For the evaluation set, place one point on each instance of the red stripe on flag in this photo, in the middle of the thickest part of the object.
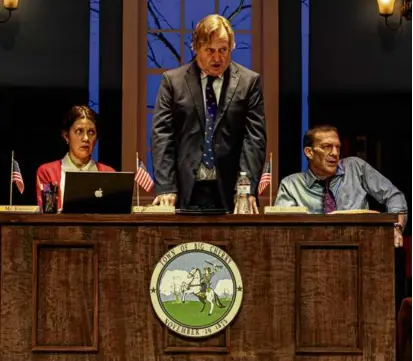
(143, 179)
(17, 178)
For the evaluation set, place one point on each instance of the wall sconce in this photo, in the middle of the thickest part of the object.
(386, 8)
(9, 5)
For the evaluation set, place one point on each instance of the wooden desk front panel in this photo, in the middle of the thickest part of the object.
(311, 292)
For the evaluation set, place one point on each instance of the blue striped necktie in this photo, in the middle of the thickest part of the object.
(211, 104)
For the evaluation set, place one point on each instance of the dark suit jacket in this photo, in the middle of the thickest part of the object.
(179, 124)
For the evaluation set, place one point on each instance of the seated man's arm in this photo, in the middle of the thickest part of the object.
(384, 192)
(284, 197)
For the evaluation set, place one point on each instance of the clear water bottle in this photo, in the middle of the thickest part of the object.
(243, 194)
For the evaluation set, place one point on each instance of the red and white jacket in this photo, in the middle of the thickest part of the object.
(51, 173)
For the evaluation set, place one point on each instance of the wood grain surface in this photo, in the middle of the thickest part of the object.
(315, 288)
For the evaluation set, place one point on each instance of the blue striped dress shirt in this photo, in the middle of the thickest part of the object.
(353, 181)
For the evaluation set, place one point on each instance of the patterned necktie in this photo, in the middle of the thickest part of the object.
(329, 203)
(211, 104)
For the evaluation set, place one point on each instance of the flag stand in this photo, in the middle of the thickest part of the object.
(271, 179)
(11, 178)
(137, 185)
(277, 209)
(138, 180)
(270, 209)
(18, 209)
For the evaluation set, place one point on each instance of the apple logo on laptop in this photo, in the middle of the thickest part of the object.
(99, 193)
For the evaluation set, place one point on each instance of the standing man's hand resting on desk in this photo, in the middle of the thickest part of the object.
(168, 199)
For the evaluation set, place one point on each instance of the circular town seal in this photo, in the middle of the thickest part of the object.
(196, 289)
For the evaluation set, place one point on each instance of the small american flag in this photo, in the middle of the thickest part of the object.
(142, 176)
(17, 176)
(265, 178)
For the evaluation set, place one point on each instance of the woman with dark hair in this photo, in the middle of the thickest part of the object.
(79, 130)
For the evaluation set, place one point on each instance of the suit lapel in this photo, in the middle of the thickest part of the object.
(193, 79)
(227, 93)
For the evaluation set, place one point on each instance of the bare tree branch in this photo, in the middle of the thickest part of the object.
(161, 37)
(158, 15)
(240, 7)
(93, 104)
(152, 56)
(93, 4)
(158, 18)
(225, 10)
(239, 21)
(243, 46)
(152, 12)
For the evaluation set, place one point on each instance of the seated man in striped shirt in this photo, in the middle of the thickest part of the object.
(331, 183)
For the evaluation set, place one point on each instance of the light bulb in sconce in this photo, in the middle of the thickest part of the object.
(386, 7)
(11, 4)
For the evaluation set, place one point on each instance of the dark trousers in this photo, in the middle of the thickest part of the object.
(205, 195)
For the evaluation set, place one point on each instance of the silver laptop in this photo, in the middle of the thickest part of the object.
(98, 192)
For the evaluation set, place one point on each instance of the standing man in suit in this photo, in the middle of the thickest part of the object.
(208, 125)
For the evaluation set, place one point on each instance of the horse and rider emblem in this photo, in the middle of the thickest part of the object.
(196, 289)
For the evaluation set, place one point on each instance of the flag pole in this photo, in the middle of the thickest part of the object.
(11, 177)
(271, 179)
(137, 185)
